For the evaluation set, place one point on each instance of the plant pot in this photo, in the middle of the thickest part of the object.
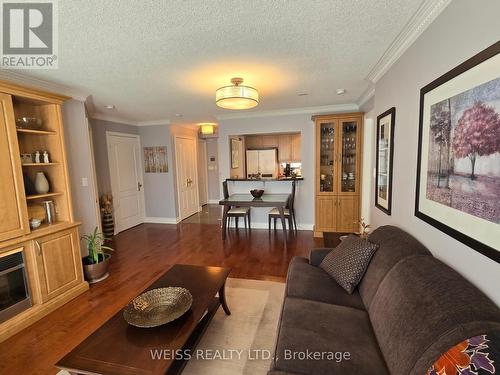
(95, 272)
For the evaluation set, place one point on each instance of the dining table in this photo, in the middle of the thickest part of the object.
(280, 201)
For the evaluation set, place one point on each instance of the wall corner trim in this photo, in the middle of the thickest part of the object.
(423, 17)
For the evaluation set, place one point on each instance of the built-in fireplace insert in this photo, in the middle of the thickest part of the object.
(14, 290)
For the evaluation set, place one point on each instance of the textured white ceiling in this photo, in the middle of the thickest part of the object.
(153, 59)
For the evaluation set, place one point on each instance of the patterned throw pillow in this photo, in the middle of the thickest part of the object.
(347, 263)
(479, 355)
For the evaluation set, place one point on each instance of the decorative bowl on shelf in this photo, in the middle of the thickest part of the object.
(31, 123)
(158, 306)
(257, 193)
(35, 223)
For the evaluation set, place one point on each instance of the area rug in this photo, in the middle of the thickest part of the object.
(243, 342)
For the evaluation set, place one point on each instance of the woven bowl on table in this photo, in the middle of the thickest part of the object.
(158, 306)
(257, 193)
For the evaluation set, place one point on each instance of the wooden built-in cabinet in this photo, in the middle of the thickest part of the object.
(288, 145)
(51, 252)
(13, 210)
(338, 172)
(58, 263)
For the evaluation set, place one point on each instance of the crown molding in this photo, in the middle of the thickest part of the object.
(121, 120)
(37, 83)
(112, 118)
(366, 96)
(154, 122)
(423, 17)
(335, 108)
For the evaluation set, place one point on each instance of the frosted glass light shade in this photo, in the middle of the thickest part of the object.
(237, 96)
(207, 128)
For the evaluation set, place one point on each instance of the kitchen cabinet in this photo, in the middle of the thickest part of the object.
(269, 140)
(253, 141)
(296, 148)
(338, 172)
(288, 145)
(58, 263)
(285, 148)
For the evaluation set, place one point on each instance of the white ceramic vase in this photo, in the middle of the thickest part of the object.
(41, 183)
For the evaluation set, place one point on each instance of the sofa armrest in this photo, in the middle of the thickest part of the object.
(316, 256)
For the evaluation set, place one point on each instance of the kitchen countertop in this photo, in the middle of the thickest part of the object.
(266, 179)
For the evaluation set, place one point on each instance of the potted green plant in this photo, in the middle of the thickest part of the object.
(95, 265)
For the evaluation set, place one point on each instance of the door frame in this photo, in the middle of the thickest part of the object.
(94, 177)
(203, 149)
(177, 174)
(137, 137)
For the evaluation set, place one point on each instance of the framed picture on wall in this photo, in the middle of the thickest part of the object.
(235, 153)
(155, 159)
(385, 153)
(458, 170)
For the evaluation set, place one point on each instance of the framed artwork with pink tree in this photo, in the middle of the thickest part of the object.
(458, 169)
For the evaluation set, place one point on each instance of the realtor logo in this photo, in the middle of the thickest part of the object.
(29, 39)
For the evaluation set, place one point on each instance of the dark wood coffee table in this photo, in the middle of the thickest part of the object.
(121, 349)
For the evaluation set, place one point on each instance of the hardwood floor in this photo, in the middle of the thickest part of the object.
(142, 254)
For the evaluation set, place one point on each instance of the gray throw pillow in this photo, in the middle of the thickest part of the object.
(347, 263)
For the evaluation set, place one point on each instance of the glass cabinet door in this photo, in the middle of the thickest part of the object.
(348, 175)
(326, 156)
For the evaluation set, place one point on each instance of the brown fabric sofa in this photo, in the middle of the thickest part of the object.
(409, 309)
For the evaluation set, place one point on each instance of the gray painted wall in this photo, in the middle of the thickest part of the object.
(99, 129)
(159, 191)
(77, 139)
(451, 39)
(213, 170)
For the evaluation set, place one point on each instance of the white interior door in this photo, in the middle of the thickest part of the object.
(187, 180)
(202, 172)
(125, 169)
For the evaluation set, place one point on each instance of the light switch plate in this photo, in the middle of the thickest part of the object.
(85, 181)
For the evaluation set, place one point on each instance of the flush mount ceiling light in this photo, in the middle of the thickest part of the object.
(109, 106)
(237, 96)
(207, 128)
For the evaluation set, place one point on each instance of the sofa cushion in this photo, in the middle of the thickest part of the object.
(309, 327)
(422, 308)
(394, 244)
(347, 263)
(311, 282)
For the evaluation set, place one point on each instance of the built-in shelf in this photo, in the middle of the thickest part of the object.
(38, 132)
(50, 227)
(39, 164)
(38, 196)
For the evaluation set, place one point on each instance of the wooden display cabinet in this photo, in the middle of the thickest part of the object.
(52, 251)
(338, 172)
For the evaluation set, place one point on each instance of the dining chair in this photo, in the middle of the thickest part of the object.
(236, 212)
(289, 212)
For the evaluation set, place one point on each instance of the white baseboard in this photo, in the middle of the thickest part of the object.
(265, 225)
(213, 201)
(161, 220)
